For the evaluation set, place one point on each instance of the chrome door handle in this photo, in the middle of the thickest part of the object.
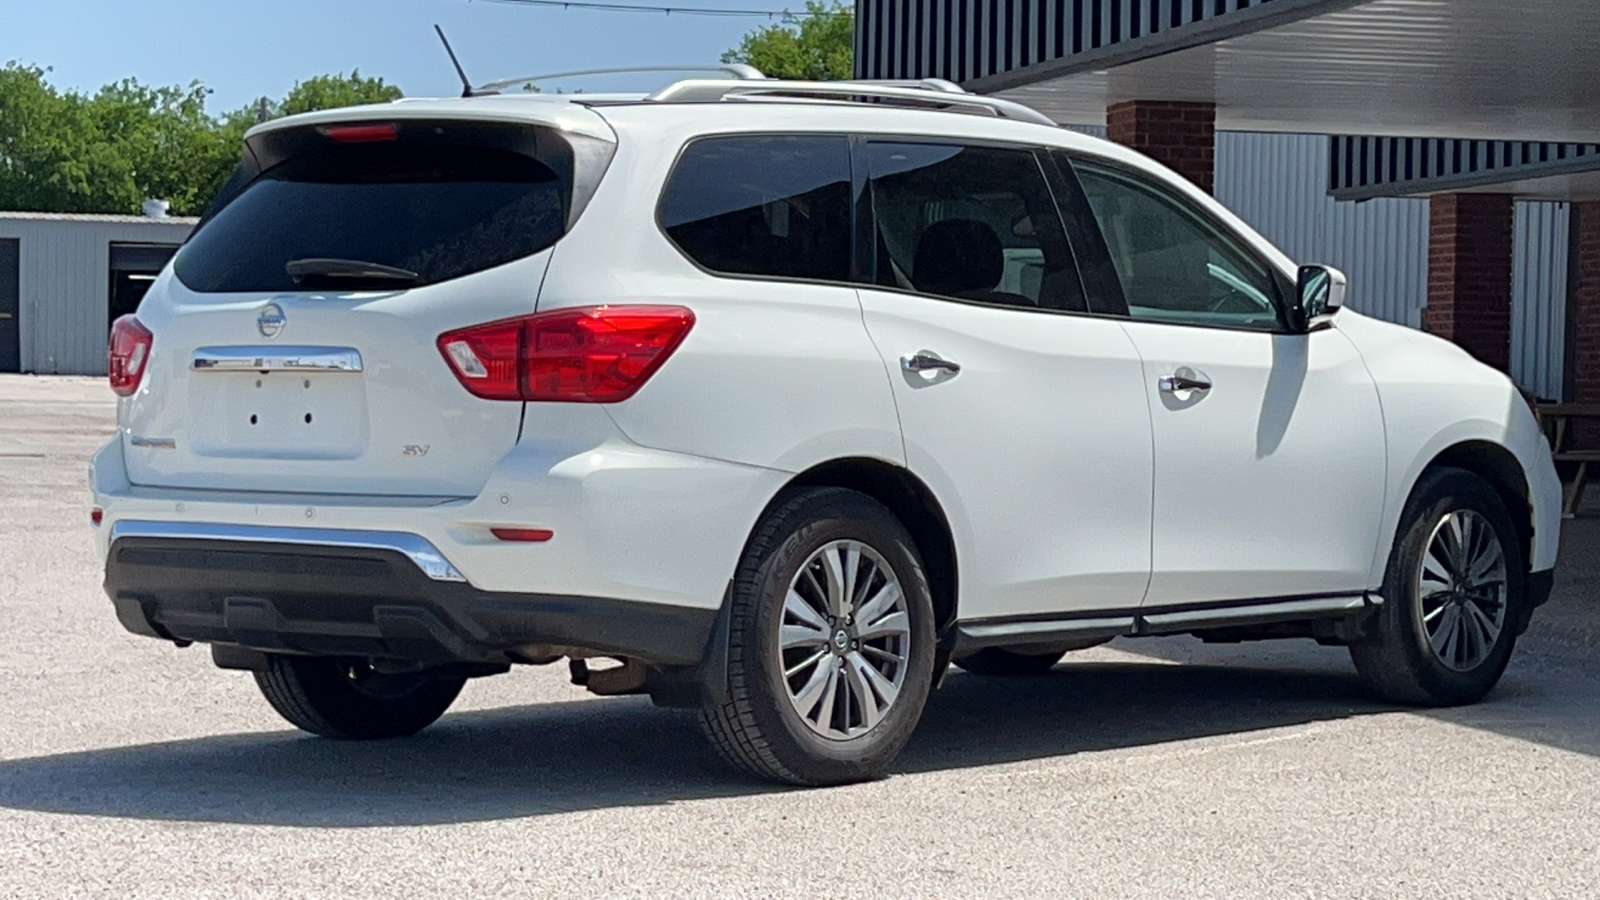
(924, 361)
(1175, 383)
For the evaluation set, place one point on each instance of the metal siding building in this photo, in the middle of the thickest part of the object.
(1279, 183)
(64, 281)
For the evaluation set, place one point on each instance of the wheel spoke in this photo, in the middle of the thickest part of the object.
(874, 694)
(1489, 628)
(1436, 570)
(1488, 561)
(1443, 637)
(879, 603)
(881, 653)
(1456, 545)
(805, 699)
(852, 571)
(799, 667)
(795, 636)
(839, 579)
(830, 696)
(796, 607)
(893, 625)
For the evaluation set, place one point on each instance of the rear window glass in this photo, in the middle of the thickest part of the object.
(437, 210)
(763, 206)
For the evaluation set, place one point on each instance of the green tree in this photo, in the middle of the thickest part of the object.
(64, 151)
(334, 91)
(816, 46)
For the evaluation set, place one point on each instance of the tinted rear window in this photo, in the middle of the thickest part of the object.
(763, 206)
(438, 210)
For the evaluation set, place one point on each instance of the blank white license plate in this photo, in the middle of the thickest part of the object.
(279, 415)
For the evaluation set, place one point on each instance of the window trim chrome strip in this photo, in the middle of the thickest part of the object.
(422, 553)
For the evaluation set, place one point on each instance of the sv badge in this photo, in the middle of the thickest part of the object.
(414, 451)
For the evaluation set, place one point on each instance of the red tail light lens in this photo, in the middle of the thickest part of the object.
(128, 355)
(587, 354)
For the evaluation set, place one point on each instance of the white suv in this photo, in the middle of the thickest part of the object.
(784, 404)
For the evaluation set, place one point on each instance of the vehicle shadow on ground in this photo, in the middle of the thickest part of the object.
(561, 757)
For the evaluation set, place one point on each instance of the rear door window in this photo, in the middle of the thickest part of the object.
(430, 207)
(972, 223)
(763, 206)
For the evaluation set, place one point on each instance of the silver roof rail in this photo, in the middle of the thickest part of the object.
(738, 71)
(931, 93)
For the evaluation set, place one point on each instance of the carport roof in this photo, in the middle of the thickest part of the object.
(1491, 69)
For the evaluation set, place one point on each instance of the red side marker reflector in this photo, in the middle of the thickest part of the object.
(527, 535)
(96, 516)
(361, 134)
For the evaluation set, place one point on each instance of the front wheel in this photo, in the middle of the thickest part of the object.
(1453, 592)
(831, 643)
(339, 698)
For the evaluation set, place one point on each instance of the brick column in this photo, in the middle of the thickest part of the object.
(1469, 274)
(1583, 316)
(1181, 136)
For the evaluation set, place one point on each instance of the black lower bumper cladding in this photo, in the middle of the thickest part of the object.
(341, 601)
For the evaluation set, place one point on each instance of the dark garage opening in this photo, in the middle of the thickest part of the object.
(10, 306)
(133, 267)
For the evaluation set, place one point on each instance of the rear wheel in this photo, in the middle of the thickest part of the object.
(340, 698)
(831, 643)
(1453, 592)
(1003, 662)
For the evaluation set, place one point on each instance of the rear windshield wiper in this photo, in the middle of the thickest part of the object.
(344, 272)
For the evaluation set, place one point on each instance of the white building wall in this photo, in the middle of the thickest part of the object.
(1279, 184)
(65, 283)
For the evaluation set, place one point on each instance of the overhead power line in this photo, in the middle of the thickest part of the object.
(680, 10)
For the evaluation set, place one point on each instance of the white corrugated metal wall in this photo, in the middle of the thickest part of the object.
(1279, 184)
(65, 283)
(1539, 298)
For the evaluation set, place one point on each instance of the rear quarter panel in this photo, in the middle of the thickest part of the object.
(776, 374)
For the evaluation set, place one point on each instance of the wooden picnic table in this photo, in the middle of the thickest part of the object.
(1556, 419)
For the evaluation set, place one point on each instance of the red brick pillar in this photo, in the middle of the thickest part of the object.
(1469, 274)
(1181, 136)
(1584, 296)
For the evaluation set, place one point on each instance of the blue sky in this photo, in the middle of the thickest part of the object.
(247, 50)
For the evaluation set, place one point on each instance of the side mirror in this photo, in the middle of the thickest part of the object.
(1321, 291)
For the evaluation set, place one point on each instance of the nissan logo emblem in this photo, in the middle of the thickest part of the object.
(271, 320)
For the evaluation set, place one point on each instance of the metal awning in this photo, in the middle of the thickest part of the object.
(1518, 70)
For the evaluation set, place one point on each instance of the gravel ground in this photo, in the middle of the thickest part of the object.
(1145, 768)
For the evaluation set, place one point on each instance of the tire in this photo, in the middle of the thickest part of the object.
(1399, 657)
(345, 699)
(781, 727)
(1002, 662)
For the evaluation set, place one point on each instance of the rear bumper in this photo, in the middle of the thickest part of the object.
(371, 601)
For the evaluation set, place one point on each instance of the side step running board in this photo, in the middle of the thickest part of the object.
(979, 633)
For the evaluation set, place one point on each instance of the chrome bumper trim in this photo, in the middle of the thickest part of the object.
(415, 548)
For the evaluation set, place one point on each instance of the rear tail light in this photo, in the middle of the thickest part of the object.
(129, 353)
(587, 354)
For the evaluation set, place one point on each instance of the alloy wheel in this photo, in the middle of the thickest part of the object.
(844, 640)
(1461, 589)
